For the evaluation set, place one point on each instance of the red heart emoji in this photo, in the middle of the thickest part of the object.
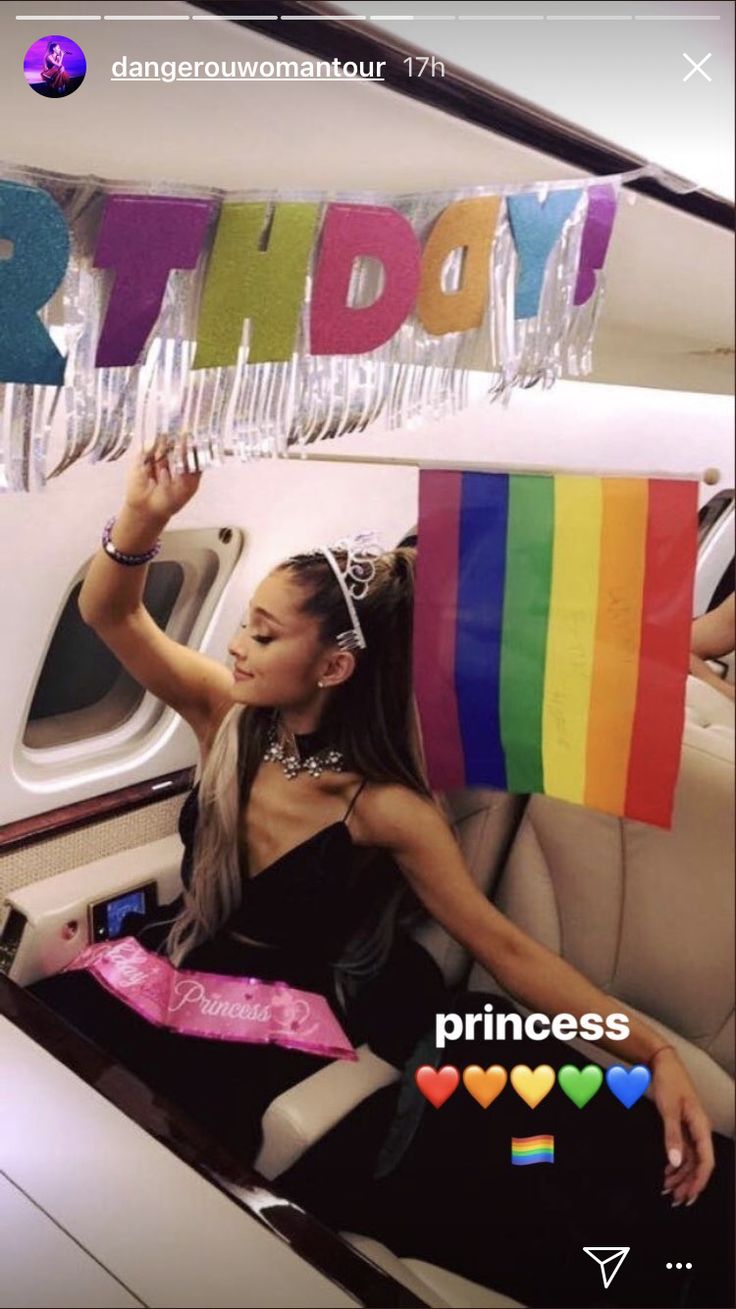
(437, 1084)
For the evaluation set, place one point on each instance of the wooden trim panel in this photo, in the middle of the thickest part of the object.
(67, 818)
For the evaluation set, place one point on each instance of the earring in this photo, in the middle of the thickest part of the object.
(320, 685)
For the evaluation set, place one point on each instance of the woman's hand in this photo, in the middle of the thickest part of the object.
(687, 1130)
(154, 491)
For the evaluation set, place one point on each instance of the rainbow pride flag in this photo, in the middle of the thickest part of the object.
(552, 635)
(532, 1149)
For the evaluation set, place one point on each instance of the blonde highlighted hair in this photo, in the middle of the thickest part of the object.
(371, 718)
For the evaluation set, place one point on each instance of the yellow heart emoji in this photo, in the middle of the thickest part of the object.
(532, 1086)
(485, 1086)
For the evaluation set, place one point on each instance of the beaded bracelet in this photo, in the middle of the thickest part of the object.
(119, 557)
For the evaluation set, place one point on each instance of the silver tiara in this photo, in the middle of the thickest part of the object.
(362, 550)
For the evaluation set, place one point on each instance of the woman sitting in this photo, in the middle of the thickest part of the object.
(310, 843)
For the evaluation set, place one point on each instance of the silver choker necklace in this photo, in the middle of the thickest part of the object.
(292, 764)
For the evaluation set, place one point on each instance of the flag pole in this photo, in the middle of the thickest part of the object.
(711, 476)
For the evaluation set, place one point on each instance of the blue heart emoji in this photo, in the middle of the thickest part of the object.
(628, 1084)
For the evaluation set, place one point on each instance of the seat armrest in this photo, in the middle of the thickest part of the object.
(437, 1287)
(301, 1116)
(55, 908)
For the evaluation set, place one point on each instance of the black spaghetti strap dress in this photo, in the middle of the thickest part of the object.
(305, 906)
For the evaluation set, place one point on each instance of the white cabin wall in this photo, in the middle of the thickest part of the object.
(576, 425)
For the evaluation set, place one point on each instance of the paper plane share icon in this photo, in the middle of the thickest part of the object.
(610, 1258)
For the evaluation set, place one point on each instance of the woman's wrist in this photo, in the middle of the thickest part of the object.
(660, 1058)
(120, 556)
(135, 531)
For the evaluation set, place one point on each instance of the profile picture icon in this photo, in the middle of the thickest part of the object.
(54, 66)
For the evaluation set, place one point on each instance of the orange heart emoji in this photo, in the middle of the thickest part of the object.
(532, 1086)
(485, 1086)
(437, 1084)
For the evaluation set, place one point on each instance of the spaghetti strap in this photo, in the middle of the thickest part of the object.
(352, 802)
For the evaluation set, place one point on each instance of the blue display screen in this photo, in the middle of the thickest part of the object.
(132, 903)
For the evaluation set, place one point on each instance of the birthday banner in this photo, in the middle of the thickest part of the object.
(246, 324)
(552, 635)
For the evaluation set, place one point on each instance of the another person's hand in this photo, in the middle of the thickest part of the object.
(714, 637)
(700, 669)
(687, 1129)
(154, 491)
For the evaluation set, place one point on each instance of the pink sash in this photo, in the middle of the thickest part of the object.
(212, 1005)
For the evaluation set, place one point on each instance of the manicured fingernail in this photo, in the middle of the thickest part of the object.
(676, 1204)
(692, 1200)
(675, 1157)
(667, 1191)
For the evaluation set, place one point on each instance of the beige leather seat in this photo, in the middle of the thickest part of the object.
(709, 706)
(485, 823)
(646, 914)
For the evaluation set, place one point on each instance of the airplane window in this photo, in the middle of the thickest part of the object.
(82, 690)
(80, 673)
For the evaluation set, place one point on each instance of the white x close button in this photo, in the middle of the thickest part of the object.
(697, 68)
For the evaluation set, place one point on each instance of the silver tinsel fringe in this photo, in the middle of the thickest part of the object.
(252, 411)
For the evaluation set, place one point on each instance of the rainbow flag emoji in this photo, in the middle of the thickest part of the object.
(552, 635)
(532, 1149)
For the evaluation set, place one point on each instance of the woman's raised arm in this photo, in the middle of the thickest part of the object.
(111, 602)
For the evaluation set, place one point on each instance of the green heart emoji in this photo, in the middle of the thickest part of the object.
(580, 1084)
